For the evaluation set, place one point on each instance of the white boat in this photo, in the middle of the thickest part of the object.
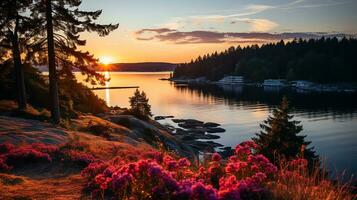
(232, 80)
(303, 84)
(274, 82)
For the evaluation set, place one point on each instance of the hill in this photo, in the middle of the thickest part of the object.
(141, 67)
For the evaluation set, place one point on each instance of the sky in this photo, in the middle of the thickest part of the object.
(179, 30)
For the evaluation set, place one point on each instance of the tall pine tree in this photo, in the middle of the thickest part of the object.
(279, 137)
(62, 24)
(16, 27)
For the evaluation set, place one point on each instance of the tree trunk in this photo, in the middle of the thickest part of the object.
(19, 72)
(55, 110)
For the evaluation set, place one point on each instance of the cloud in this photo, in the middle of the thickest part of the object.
(212, 37)
(257, 25)
(312, 4)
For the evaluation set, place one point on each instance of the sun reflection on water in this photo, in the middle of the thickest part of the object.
(107, 90)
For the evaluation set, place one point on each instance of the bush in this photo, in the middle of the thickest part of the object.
(11, 157)
(15, 157)
(99, 129)
(245, 175)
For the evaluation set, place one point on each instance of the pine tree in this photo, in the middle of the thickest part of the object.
(140, 106)
(62, 24)
(279, 137)
(15, 26)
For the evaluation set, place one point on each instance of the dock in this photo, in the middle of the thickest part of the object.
(113, 88)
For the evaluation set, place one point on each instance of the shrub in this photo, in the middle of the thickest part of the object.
(99, 129)
(13, 157)
(79, 158)
(23, 155)
(165, 177)
(245, 175)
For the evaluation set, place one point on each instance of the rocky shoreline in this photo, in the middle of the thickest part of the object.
(196, 134)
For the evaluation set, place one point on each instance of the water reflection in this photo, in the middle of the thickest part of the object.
(309, 105)
(107, 85)
(329, 120)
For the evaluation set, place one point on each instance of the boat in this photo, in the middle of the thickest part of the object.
(232, 80)
(274, 82)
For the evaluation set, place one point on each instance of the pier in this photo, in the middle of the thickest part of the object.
(104, 88)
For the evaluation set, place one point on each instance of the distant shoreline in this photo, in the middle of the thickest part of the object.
(130, 67)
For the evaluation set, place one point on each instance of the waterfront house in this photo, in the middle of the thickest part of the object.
(302, 84)
(232, 80)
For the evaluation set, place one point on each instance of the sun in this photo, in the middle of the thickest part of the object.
(106, 60)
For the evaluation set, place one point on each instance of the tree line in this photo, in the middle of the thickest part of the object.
(323, 60)
(47, 32)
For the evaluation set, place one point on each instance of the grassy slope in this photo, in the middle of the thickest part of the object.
(53, 181)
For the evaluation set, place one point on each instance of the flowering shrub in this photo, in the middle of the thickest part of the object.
(160, 176)
(11, 156)
(6, 147)
(79, 158)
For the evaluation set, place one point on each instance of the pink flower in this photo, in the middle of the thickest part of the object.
(172, 165)
(121, 181)
(203, 192)
(184, 162)
(102, 181)
(259, 177)
(6, 147)
(216, 157)
(155, 171)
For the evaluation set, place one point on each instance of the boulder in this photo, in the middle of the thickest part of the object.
(215, 130)
(211, 124)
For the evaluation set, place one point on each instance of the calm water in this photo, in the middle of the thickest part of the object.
(329, 120)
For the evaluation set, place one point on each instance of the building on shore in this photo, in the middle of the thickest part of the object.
(302, 84)
(232, 80)
(274, 82)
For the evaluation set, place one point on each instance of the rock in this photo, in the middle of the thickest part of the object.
(178, 120)
(163, 117)
(215, 130)
(211, 124)
(207, 146)
(170, 127)
(180, 131)
(186, 125)
(210, 137)
(197, 131)
(188, 121)
(188, 137)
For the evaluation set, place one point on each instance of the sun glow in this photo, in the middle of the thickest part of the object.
(106, 60)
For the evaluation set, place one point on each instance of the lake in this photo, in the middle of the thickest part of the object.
(329, 120)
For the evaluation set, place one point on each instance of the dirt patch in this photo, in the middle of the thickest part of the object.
(19, 131)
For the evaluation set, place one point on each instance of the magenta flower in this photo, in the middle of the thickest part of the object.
(184, 162)
(216, 157)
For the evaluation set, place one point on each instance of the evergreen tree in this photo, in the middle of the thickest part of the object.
(279, 137)
(14, 27)
(139, 105)
(62, 24)
(318, 60)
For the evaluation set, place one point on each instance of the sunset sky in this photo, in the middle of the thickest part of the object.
(176, 31)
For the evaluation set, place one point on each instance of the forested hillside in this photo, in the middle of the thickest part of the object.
(324, 60)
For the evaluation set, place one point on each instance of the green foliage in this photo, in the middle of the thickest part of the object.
(139, 105)
(69, 21)
(74, 96)
(322, 60)
(279, 137)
